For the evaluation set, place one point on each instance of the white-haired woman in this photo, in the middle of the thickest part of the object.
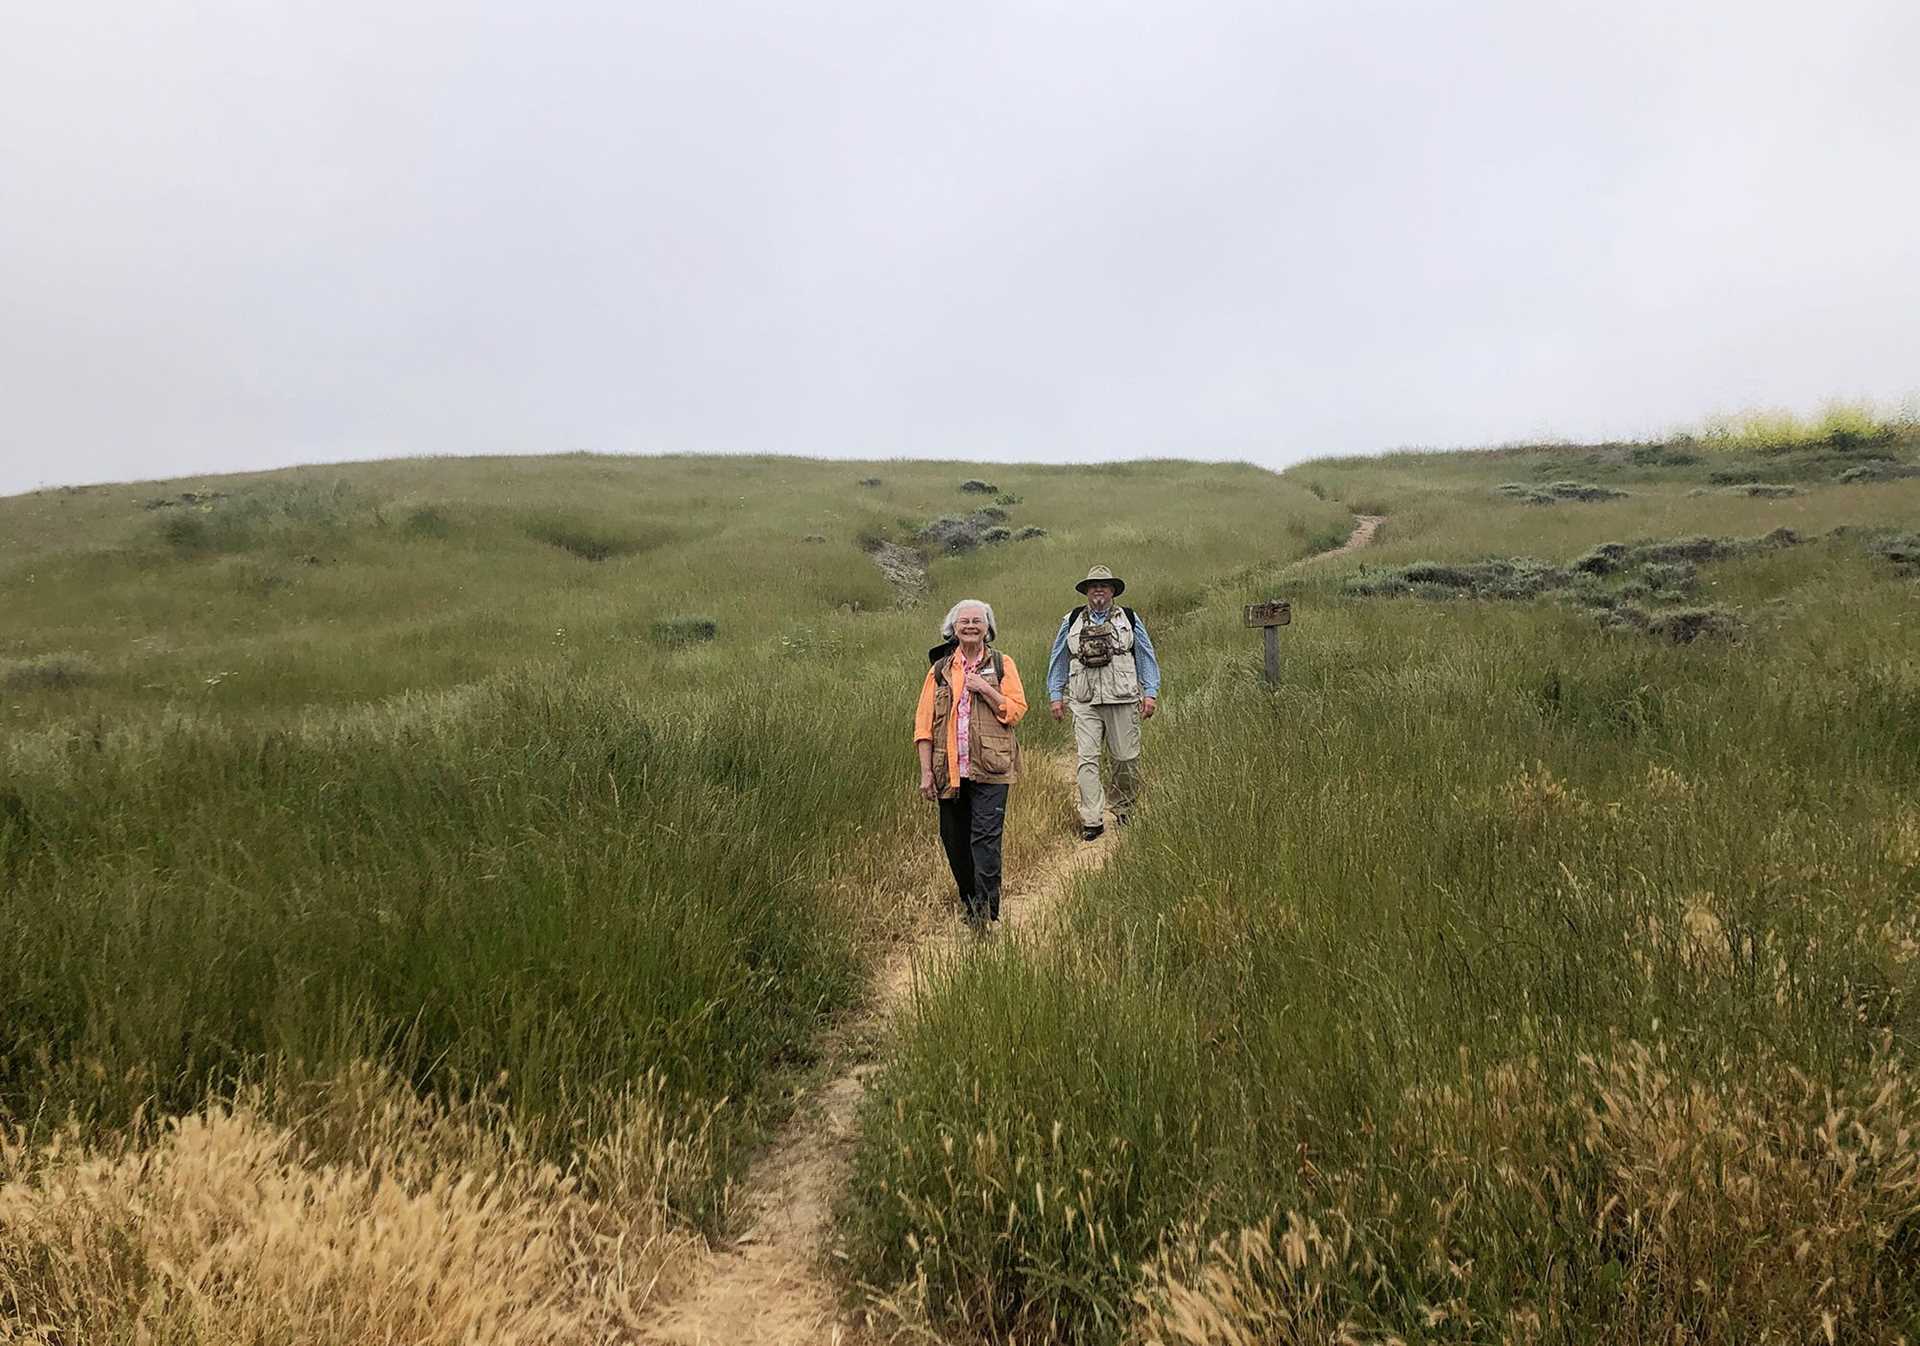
(963, 731)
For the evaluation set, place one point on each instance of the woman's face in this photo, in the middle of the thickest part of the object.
(970, 625)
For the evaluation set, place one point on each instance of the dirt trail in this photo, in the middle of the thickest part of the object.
(1364, 527)
(771, 1286)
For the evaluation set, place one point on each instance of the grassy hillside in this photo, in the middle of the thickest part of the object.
(557, 793)
(1513, 971)
(1536, 962)
(279, 594)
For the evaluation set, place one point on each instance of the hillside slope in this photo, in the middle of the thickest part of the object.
(1536, 961)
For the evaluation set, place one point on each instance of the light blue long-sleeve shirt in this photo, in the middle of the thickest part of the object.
(1144, 661)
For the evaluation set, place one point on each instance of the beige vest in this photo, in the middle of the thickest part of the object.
(1114, 683)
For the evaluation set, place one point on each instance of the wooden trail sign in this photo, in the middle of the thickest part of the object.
(1270, 615)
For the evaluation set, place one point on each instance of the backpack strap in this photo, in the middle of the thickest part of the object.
(941, 653)
(1131, 619)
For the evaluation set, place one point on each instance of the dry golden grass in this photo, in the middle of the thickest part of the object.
(1738, 1204)
(1256, 1285)
(1901, 837)
(1533, 797)
(1667, 786)
(373, 1217)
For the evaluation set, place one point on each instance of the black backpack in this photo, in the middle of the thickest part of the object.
(946, 648)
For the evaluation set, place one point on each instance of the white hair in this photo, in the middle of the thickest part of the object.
(946, 627)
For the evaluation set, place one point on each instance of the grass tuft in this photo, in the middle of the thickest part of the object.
(596, 542)
(429, 521)
(47, 672)
(347, 1210)
(1556, 492)
(679, 632)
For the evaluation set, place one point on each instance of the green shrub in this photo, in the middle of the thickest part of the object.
(1903, 549)
(1840, 424)
(1517, 577)
(1557, 491)
(1685, 625)
(428, 521)
(281, 511)
(955, 533)
(47, 672)
(1867, 473)
(1614, 581)
(186, 533)
(679, 632)
(595, 541)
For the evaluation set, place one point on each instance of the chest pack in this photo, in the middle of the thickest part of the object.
(1096, 644)
(1098, 641)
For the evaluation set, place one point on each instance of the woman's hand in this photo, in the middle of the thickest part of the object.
(976, 683)
(926, 786)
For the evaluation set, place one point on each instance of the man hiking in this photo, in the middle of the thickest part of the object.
(1104, 667)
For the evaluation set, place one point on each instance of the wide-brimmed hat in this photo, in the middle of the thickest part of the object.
(1101, 575)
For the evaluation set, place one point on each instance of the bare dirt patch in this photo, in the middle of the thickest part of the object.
(905, 569)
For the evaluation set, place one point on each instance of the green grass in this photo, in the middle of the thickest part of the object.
(530, 881)
(1393, 945)
(1502, 973)
(540, 776)
(1838, 423)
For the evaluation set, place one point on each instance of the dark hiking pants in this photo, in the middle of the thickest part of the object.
(970, 827)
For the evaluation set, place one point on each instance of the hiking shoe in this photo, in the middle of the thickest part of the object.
(1092, 833)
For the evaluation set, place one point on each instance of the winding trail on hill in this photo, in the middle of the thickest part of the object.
(1364, 527)
(773, 1285)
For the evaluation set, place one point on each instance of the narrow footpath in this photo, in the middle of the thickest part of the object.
(772, 1286)
(1364, 527)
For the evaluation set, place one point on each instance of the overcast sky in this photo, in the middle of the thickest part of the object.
(237, 235)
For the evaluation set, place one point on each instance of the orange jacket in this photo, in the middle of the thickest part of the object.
(1013, 696)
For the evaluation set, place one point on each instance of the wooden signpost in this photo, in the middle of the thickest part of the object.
(1270, 615)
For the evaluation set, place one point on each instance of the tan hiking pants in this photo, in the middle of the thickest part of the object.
(1117, 728)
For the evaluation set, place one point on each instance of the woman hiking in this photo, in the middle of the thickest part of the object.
(963, 731)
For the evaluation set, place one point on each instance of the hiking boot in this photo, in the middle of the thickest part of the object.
(1093, 833)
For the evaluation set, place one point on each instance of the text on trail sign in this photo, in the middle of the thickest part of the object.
(1273, 612)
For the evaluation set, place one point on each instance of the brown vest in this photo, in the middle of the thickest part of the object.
(993, 752)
